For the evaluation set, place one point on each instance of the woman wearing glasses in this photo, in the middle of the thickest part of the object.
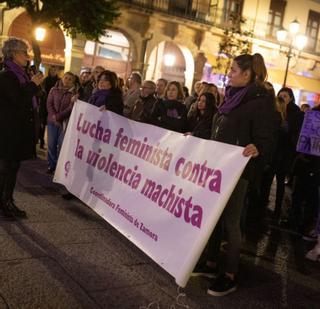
(16, 120)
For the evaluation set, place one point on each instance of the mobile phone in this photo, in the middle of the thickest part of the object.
(33, 69)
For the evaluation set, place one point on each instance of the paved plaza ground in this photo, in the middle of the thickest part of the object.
(66, 256)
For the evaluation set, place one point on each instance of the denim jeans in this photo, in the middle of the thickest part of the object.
(55, 139)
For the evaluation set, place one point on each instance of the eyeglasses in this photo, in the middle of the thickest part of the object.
(145, 87)
(24, 52)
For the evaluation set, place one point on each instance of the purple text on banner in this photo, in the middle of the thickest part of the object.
(309, 139)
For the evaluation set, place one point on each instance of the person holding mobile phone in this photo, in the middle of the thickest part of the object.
(16, 120)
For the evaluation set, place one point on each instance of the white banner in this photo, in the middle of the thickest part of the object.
(164, 191)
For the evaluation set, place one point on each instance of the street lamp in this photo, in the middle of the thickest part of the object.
(297, 41)
(40, 33)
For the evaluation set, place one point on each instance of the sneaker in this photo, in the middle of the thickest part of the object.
(223, 285)
(202, 270)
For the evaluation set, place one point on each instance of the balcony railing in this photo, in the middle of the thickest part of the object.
(187, 9)
(198, 11)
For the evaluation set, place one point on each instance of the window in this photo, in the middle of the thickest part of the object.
(114, 45)
(233, 7)
(275, 18)
(313, 29)
(181, 7)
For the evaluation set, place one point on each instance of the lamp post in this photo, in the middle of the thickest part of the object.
(296, 41)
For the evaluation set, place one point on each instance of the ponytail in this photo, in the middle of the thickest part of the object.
(259, 69)
(256, 66)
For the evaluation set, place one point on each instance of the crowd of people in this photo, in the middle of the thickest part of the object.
(249, 114)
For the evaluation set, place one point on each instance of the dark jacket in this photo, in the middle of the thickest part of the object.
(201, 124)
(112, 99)
(249, 123)
(143, 108)
(17, 128)
(294, 119)
(171, 115)
(85, 91)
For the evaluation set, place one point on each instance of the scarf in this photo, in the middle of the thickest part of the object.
(99, 97)
(17, 70)
(172, 108)
(232, 99)
(22, 76)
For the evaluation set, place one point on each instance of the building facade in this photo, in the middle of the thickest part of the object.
(179, 40)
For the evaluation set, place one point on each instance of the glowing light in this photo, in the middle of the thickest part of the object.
(294, 27)
(40, 33)
(300, 41)
(169, 60)
(281, 35)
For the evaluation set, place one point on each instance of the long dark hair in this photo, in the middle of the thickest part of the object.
(289, 92)
(254, 63)
(111, 77)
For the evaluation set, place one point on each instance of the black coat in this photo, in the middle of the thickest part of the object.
(171, 115)
(201, 124)
(143, 109)
(251, 122)
(17, 128)
(114, 102)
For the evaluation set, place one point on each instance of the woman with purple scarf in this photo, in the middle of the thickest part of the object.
(244, 119)
(16, 120)
(108, 95)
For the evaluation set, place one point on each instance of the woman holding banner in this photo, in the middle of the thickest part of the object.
(170, 113)
(59, 106)
(243, 119)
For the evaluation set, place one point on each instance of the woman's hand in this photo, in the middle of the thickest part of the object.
(74, 98)
(102, 108)
(250, 150)
(37, 78)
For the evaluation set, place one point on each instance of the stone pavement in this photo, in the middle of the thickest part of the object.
(66, 256)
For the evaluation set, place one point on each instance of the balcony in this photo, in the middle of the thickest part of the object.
(196, 10)
(186, 9)
(202, 12)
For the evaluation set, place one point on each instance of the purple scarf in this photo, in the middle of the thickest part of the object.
(22, 76)
(18, 71)
(99, 97)
(232, 99)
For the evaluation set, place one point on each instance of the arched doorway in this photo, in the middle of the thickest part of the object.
(52, 47)
(113, 52)
(172, 62)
